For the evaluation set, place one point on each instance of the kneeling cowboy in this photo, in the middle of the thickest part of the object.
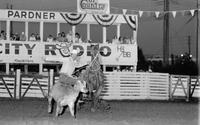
(67, 69)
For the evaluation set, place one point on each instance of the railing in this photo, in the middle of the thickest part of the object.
(19, 86)
(118, 86)
(195, 86)
(179, 86)
(7, 86)
(185, 87)
(135, 85)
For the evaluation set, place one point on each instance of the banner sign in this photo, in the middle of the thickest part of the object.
(93, 6)
(34, 52)
(37, 15)
(73, 18)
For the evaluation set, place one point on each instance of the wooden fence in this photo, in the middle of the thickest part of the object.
(195, 86)
(7, 86)
(184, 87)
(134, 85)
(19, 86)
(118, 86)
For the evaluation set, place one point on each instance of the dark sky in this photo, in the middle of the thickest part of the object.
(150, 30)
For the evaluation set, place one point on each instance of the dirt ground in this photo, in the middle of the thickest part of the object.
(34, 112)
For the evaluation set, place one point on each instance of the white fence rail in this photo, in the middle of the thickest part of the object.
(195, 86)
(133, 85)
(118, 86)
(20, 86)
(179, 86)
(7, 86)
(34, 86)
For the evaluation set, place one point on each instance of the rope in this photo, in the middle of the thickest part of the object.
(93, 62)
(90, 64)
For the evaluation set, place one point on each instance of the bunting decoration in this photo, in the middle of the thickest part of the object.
(73, 18)
(192, 12)
(157, 14)
(124, 11)
(140, 13)
(174, 13)
(105, 20)
(131, 21)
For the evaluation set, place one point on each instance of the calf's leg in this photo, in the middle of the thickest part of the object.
(58, 108)
(50, 98)
(71, 109)
(61, 109)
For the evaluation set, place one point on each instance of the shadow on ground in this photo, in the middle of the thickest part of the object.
(34, 112)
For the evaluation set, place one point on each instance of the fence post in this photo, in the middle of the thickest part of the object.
(18, 82)
(51, 80)
(147, 85)
(170, 88)
(188, 89)
(7, 68)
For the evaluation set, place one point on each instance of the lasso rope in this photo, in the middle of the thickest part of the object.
(90, 65)
(93, 61)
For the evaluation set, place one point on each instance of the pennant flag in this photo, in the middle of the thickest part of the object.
(157, 13)
(124, 11)
(192, 12)
(131, 21)
(174, 13)
(105, 20)
(73, 18)
(140, 13)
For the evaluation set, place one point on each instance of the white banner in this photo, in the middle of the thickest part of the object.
(30, 15)
(93, 6)
(51, 16)
(34, 52)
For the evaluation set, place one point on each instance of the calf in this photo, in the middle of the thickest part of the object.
(65, 95)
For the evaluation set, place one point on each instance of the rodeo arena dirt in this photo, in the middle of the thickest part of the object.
(69, 81)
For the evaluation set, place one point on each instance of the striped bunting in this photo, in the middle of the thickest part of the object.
(105, 20)
(131, 20)
(73, 18)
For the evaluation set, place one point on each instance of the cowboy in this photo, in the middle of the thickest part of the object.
(68, 66)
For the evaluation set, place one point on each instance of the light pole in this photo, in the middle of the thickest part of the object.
(10, 6)
(198, 39)
(166, 33)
